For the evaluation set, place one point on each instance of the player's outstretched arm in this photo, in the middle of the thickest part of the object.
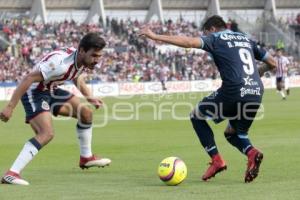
(35, 76)
(86, 92)
(182, 41)
(270, 64)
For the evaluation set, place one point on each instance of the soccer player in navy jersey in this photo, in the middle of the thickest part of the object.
(41, 97)
(239, 97)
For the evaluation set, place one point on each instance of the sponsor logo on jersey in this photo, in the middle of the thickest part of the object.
(250, 91)
(228, 36)
(249, 81)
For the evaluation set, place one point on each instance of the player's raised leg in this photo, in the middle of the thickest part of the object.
(42, 125)
(73, 107)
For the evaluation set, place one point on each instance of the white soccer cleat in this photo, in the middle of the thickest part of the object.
(93, 161)
(13, 178)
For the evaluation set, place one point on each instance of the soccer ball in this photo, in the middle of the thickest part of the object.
(172, 171)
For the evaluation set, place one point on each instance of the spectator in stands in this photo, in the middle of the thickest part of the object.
(298, 19)
(280, 44)
(32, 41)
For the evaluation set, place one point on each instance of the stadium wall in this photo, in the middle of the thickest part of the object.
(119, 89)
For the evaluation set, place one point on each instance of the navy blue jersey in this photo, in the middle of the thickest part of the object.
(234, 55)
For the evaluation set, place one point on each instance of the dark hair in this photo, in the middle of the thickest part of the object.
(92, 40)
(280, 49)
(214, 21)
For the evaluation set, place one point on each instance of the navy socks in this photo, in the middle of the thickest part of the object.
(205, 135)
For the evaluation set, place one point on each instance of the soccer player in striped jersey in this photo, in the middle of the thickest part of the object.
(281, 73)
(163, 76)
(41, 97)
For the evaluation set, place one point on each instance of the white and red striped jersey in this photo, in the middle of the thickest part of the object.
(164, 73)
(57, 67)
(282, 66)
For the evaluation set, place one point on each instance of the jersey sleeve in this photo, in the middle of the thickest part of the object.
(207, 42)
(52, 67)
(259, 53)
(287, 62)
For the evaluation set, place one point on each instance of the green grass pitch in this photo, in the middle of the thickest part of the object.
(137, 145)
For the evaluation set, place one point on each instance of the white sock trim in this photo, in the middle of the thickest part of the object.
(282, 93)
(28, 152)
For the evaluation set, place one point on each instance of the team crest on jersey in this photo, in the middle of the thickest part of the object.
(45, 105)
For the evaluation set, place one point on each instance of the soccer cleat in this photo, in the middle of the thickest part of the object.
(93, 161)
(216, 165)
(13, 178)
(255, 158)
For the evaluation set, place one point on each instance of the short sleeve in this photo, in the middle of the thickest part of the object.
(259, 53)
(207, 42)
(51, 67)
(287, 61)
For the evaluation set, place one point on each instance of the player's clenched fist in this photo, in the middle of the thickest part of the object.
(95, 102)
(6, 113)
(147, 33)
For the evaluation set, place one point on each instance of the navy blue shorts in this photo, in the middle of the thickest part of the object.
(239, 113)
(36, 102)
(279, 79)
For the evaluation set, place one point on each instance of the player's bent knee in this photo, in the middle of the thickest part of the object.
(192, 114)
(49, 135)
(45, 136)
(229, 131)
(227, 135)
(86, 115)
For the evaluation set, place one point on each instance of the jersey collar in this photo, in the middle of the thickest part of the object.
(221, 32)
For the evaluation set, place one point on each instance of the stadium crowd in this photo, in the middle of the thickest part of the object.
(127, 57)
(290, 21)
